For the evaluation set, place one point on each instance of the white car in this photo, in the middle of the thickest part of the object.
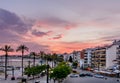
(37, 81)
(74, 75)
(98, 76)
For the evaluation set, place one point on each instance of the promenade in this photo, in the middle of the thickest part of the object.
(42, 80)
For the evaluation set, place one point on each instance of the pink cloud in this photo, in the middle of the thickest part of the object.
(70, 26)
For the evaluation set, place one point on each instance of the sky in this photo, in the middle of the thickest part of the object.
(59, 25)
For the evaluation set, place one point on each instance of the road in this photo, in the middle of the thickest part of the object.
(90, 79)
(42, 80)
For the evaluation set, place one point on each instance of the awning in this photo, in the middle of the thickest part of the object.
(116, 71)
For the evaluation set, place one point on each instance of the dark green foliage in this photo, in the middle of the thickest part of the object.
(35, 70)
(74, 64)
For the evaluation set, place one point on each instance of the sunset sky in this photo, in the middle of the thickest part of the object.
(59, 25)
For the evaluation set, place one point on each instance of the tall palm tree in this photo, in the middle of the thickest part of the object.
(6, 49)
(33, 54)
(42, 54)
(54, 57)
(22, 48)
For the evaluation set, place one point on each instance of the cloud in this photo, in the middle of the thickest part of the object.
(70, 26)
(11, 27)
(34, 47)
(57, 37)
(13, 30)
(55, 22)
(63, 47)
(40, 33)
(110, 38)
(12, 22)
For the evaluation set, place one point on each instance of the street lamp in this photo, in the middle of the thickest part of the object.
(13, 78)
(29, 63)
(47, 73)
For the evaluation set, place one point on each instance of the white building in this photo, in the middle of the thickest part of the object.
(65, 56)
(87, 56)
(111, 54)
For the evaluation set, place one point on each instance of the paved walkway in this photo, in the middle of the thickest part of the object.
(42, 80)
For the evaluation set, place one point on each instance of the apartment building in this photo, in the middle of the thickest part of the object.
(87, 57)
(118, 57)
(99, 57)
(111, 55)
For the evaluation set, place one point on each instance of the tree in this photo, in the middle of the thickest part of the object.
(34, 70)
(22, 48)
(42, 54)
(70, 59)
(54, 58)
(6, 49)
(60, 58)
(60, 72)
(75, 64)
(33, 54)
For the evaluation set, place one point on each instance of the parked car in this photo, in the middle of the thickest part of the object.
(98, 76)
(85, 74)
(89, 75)
(37, 81)
(82, 75)
(74, 75)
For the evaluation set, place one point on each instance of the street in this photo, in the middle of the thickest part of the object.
(90, 80)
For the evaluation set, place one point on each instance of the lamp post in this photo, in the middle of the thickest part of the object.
(13, 71)
(29, 63)
(13, 78)
(47, 73)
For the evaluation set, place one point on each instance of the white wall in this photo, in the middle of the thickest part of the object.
(88, 51)
(111, 55)
(81, 62)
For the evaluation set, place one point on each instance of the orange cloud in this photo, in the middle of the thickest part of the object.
(71, 46)
(70, 26)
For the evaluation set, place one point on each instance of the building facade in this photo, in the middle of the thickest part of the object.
(99, 58)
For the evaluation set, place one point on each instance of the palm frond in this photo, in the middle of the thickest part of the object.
(21, 48)
(7, 48)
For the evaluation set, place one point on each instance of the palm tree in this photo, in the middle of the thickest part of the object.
(6, 49)
(42, 56)
(54, 58)
(33, 54)
(22, 48)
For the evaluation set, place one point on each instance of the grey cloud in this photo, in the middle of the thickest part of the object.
(12, 27)
(36, 47)
(40, 33)
(111, 38)
(12, 22)
(57, 36)
(56, 21)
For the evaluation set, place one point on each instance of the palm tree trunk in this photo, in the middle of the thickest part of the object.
(47, 73)
(6, 55)
(22, 62)
(34, 60)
